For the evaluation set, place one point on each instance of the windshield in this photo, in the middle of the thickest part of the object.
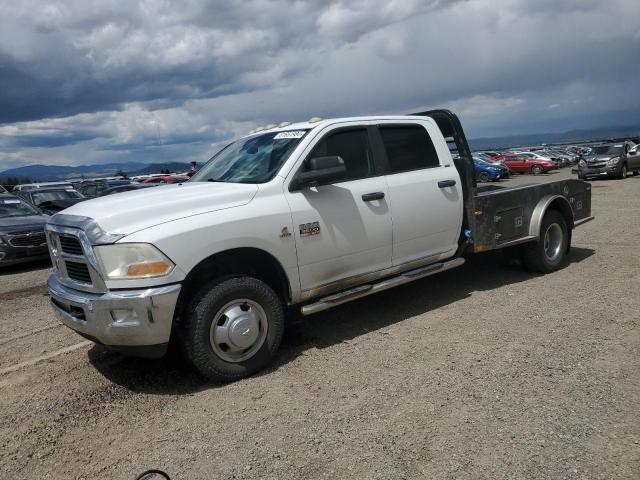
(41, 197)
(481, 161)
(12, 207)
(607, 150)
(255, 159)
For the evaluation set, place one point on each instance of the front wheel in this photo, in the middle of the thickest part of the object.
(548, 253)
(232, 328)
(623, 172)
(537, 169)
(483, 177)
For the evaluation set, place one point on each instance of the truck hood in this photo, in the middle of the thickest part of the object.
(128, 212)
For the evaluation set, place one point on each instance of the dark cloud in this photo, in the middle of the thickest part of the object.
(120, 78)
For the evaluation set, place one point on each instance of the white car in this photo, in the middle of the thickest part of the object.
(310, 215)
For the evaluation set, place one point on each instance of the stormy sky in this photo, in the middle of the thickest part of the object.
(100, 81)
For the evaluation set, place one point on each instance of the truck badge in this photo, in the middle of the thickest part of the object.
(284, 233)
(310, 229)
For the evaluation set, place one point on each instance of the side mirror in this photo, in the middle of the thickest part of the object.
(321, 170)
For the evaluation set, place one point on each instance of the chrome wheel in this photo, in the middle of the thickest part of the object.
(238, 330)
(553, 239)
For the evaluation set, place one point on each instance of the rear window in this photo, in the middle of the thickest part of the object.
(408, 147)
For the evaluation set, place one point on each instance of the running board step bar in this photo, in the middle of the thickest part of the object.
(364, 290)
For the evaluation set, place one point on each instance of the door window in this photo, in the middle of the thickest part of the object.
(408, 147)
(353, 147)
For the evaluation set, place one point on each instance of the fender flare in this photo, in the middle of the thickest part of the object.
(545, 203)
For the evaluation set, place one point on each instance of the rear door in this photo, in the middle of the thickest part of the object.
(342, 230)
(425, 192)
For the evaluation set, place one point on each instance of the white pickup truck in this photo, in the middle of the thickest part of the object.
(310, 215)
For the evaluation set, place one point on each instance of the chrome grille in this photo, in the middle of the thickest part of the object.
(30, 239)
(78, 271)
(73, 260)
(71, 245)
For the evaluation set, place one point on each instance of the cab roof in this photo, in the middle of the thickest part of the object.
(308, 125)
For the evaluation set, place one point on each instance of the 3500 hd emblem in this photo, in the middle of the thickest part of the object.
(309, 229)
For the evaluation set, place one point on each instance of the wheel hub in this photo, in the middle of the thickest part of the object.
(243, 331)
(553, 242)
(238, 330)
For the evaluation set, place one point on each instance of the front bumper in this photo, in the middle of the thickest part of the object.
(13, 255)
(599, 171)
(133, 321)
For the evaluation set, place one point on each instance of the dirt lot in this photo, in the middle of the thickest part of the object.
(482, 372)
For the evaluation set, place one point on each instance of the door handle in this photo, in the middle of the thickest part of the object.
(446, 183)
(370, 197)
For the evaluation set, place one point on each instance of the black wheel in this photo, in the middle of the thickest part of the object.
(623, 172)
(537, 169)
(232, 328)
(483, 177)
(548, 253)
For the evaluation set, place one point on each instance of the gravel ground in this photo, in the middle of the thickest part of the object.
(481, 372)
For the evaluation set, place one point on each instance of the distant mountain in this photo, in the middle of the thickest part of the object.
(593, 134)
(45, 173)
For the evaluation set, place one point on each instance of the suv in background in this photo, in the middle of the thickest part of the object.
(51, 200)
(35, 186)
(610, 160)
(96, 188)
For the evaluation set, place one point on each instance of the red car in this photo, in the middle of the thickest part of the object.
(520, 163)
(166, 179)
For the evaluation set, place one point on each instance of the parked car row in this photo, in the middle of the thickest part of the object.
(612, 158)
(24, 211)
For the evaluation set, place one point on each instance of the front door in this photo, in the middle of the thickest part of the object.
(342, 230)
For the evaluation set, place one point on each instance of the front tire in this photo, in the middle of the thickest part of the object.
(549, 252)
(232, 328)
(483, 177)
(623, 172)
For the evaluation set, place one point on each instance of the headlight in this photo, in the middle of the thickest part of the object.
(582, 163)
(132, 260)
(612, 162)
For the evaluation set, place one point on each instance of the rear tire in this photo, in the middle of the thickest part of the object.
(549, 252)
(537, 169)
(232, 328)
